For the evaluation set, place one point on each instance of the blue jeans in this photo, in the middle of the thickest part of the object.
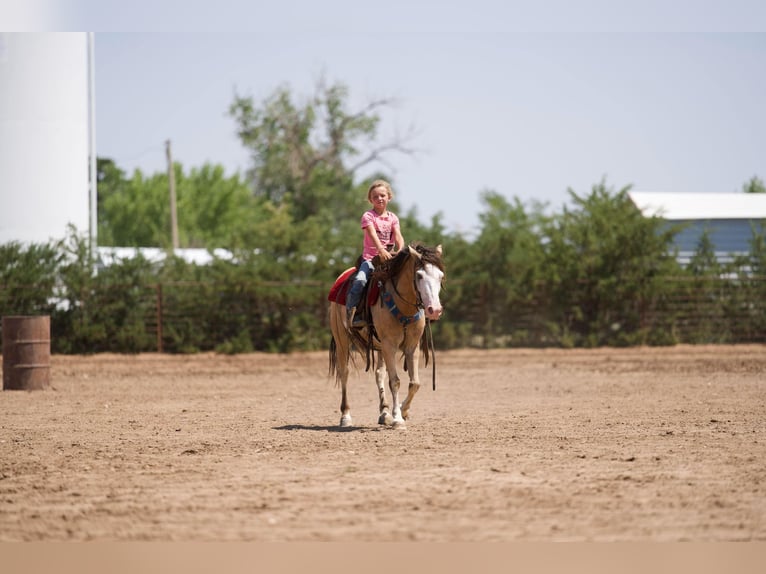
(357, 286)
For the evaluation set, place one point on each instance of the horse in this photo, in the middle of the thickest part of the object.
(407, 287)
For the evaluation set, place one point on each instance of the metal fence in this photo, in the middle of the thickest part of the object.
(183, 317)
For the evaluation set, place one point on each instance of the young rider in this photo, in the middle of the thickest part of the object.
(381, 234)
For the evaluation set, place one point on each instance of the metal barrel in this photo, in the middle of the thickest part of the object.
(26, 353)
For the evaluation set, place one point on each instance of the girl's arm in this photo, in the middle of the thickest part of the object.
(372, 234)
(398, 238)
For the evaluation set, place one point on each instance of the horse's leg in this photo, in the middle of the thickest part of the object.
(342, 353)
(411, 360)
(345, 407)
(389, 355)
(385, 417)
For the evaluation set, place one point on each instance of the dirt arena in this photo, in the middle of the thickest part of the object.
(647, 444)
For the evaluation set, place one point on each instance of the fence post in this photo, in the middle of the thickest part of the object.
(159, 317)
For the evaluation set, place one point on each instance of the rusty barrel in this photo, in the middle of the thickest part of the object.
(26, 353)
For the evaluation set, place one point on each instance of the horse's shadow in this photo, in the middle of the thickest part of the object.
(324, 428)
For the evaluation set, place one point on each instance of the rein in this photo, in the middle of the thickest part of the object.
(417, 303)
(430, 345)
(388, 300)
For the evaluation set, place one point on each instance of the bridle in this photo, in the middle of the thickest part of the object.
(418, 303)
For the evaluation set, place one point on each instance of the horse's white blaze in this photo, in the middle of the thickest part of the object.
(429, 283)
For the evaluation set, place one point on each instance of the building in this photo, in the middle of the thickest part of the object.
(47, 142)
(728, 218)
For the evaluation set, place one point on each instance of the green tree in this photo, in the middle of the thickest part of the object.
(309, 155)
(606, 266)
(756, 279)
(112, 183)
(135, 211)
(757, 255)
(754, 185)
(503, 270)
(28, 278)
(213, 210)
(703, 262)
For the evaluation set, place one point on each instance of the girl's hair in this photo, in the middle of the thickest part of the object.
(380, 183)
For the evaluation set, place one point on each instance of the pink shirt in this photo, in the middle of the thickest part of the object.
(385, 225)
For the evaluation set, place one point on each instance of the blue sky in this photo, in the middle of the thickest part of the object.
(525, 101)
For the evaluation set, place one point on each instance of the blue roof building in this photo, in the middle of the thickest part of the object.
(728, 218)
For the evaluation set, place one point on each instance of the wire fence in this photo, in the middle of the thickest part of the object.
(186, 317)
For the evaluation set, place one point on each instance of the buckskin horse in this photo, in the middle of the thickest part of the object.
(403, 294)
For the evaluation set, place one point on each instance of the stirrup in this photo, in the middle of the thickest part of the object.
(354, 321)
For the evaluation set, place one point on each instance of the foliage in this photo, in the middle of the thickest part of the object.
(309, 155)
(605, 263)
(596, 273)
(502, 268)
(27, 278)
(545, 279)
(101, 309)
(214, 211)
(750, 272)
(754, 185)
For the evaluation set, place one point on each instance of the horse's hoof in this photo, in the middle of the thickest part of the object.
(345, 421)
(399, 424)
(385, 419)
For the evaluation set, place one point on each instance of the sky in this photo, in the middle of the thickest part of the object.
(528, 102)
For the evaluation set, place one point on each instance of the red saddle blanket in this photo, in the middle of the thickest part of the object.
(339, 289)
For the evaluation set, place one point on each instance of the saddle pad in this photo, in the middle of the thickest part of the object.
(339, 289)
(373, 290)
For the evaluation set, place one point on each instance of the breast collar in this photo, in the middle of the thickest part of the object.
(388, 301)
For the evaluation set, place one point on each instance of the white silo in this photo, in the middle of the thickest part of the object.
(45, 136)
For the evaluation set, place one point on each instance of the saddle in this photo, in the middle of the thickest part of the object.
(339, 292)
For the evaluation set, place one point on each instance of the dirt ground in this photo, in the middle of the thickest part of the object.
(646, 444)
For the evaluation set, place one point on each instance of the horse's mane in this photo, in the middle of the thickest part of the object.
(391, 268)
(430, 255)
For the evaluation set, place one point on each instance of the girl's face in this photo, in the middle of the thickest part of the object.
(379, 199)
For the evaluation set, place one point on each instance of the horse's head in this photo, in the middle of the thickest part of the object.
(429, 275)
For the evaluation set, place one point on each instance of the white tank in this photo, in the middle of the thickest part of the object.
(44, 136)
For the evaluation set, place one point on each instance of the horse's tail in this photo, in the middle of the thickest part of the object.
(333, 368)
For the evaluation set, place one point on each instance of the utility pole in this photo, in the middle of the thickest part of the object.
(172, 186)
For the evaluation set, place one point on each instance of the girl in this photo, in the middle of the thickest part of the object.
(381, 234)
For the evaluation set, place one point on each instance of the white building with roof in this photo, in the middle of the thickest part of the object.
(728, 218)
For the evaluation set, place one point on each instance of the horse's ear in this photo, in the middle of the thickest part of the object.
(439, 249)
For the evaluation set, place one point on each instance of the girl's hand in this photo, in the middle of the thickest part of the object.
(384, 254)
